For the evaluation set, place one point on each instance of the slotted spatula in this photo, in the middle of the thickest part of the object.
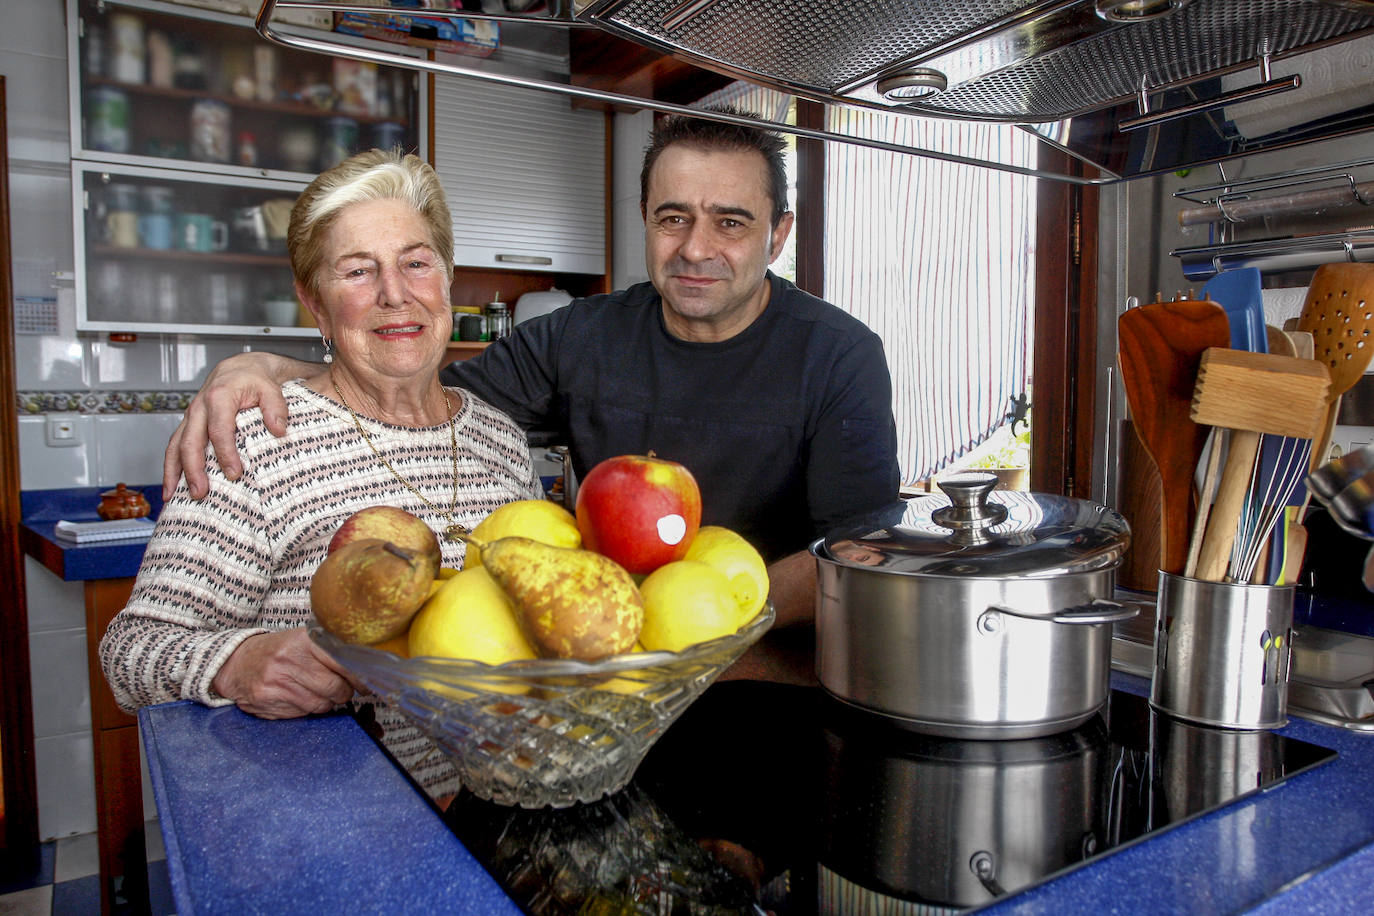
(1160, 345)
(1339, 313)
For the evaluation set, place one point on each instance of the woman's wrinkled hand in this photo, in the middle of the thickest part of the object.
(282, 675)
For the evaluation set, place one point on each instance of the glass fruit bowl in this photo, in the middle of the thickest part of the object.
(545, 732)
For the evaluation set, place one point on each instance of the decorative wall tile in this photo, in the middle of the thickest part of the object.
(94, 402)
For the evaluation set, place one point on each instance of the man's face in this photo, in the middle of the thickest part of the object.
(708, 239)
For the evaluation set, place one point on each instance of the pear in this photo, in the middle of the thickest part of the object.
(571, 603)
(367, 590)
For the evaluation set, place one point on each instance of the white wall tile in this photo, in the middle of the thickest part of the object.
(35, 84)
(140, 365)
(130, 447)
(627, 255)
(66, 785)
(42, 467)
(46, 362)
(41, 214)
(43, 32)
(627, 147)
(627, 259)
(54, 603)
(61, 687)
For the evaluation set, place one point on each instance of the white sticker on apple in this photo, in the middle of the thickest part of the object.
(672, 529)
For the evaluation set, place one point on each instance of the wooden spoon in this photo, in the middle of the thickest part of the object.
(1160, 345)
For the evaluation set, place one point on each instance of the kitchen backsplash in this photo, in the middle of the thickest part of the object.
(95, 413)
(32, 402)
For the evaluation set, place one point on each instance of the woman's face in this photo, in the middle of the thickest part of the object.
(383, 292)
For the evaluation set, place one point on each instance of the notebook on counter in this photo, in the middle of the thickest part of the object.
(122, 529)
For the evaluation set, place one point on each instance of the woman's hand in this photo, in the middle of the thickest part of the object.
(282, 675)
(237, 383)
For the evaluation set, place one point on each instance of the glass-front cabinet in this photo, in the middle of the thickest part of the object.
(191, 137)
(206, 253)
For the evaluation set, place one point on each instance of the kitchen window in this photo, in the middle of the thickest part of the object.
(938, 259)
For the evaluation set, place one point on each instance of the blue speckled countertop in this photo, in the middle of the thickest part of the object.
(41, 510)
(299, 816)
(263, 816)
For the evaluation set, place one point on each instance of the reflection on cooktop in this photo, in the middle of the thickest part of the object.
(777, 798)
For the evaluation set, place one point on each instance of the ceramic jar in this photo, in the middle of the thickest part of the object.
(122, 502)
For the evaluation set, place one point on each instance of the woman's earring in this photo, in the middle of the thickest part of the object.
(328, 350)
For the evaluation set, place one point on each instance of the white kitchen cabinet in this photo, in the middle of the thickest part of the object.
(525, 176)
(190, 133)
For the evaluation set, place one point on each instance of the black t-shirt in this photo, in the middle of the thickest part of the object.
(787, 426)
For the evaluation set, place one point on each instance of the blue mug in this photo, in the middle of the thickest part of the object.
(199, 232)
(155, 230)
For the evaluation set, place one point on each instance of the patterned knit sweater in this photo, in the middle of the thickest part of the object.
(239, 562)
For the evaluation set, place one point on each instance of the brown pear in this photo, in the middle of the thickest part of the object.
(571, 603)
(389, 523)
(368, 590)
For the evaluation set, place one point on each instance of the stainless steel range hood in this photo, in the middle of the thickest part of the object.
(1131, 87)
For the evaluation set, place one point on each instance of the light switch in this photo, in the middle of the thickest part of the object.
(61, 431)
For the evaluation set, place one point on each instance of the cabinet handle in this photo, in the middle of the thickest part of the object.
(523, 259)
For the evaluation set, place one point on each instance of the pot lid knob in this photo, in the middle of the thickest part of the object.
(969, 511)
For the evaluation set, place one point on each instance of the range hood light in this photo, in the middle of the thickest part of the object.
(912, 85)
(1137, 10)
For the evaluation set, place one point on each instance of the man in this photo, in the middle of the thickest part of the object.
(778, 402)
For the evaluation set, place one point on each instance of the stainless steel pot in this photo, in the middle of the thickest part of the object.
(977, 614)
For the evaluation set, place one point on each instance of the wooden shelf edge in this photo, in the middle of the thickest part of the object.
(464, 349)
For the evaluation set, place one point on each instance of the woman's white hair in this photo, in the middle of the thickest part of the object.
(371, 175)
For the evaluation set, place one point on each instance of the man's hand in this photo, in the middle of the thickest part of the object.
(282, 675)
(238, 383)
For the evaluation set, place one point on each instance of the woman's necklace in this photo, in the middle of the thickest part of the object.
(452, 532)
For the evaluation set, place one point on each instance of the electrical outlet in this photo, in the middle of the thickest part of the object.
(61, 431)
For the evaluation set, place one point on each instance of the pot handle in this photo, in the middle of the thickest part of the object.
(1099, 610)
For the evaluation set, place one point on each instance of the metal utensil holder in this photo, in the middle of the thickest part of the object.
(1222, 652)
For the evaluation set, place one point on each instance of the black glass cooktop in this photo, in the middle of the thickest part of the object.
(766, 797)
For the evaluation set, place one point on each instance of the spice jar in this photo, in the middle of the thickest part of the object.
(498, 318)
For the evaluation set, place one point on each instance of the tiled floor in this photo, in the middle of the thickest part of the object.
(67, 882)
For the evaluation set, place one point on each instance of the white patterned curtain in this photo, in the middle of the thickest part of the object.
(938, 259)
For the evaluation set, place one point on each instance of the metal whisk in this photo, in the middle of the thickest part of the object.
(1266, 500)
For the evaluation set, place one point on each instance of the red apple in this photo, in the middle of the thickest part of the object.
(389, 523)
(639, 510)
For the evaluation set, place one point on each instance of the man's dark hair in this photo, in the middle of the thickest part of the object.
(717, 135)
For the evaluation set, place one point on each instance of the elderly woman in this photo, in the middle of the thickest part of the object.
(219, 610)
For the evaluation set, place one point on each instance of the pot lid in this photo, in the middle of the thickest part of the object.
(972, 530)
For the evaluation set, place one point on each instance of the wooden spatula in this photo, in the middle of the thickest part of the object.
(1339, 313)
(1160, 345)
(1250, 394)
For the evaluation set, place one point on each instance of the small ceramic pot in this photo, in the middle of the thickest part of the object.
(121, 502)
